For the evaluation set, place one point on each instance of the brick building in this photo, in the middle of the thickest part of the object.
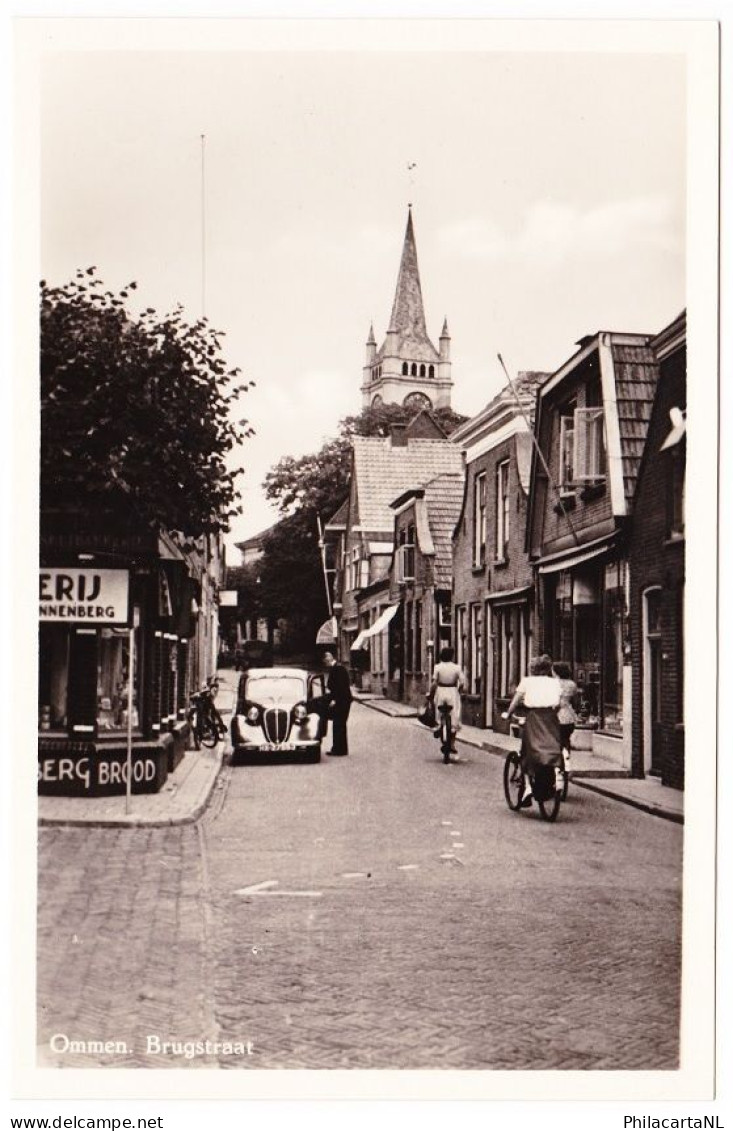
(493, 595)
(657, 570)
(382, 468)
(591, 424)
(420, 583)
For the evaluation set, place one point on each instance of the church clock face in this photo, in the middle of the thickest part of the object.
(417, 401)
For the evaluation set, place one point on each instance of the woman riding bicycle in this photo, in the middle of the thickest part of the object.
(445, 691)
(540, 695)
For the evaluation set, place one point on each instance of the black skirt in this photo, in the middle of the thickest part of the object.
(541, 744)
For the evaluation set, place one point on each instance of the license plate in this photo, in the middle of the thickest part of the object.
(277, 746)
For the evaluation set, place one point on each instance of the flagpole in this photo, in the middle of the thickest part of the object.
(130, 674)
(322, 548)
(203, 225)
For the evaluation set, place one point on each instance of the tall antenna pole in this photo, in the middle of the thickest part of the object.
(203, 225)
(540, 454)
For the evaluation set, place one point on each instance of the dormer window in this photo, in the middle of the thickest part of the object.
(589, 449)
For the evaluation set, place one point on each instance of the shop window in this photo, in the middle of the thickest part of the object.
(53, 677)
(502, 511)
(562, 620)
(113, 667)
(479, 520)
(614, 605)
(510, 634)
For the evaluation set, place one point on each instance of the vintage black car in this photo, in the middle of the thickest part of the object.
(275, 715)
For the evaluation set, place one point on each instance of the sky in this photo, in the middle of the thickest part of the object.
(548, 202)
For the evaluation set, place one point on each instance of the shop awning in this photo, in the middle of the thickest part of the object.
(510, 596)
(570, 560)
(379, 625)
(327, 632)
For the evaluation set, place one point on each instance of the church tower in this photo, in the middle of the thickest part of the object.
(407, 368)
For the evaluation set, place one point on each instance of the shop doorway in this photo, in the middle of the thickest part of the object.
(652, 681)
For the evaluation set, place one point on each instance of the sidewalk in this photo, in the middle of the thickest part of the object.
(181, 801)
(588, 771)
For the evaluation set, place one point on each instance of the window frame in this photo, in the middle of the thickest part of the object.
(479, 519)
(502, 510)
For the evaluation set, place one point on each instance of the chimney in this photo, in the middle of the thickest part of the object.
(398, 435)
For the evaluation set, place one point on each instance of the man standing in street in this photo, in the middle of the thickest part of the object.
(338, 693)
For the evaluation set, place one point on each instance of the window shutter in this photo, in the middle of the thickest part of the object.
(82, 692)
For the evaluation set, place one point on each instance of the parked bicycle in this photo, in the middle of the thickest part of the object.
(207, 725)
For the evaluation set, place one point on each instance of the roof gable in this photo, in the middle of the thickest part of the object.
(383, 471)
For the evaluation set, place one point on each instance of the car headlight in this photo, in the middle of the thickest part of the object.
(253, 716)
(300, 713)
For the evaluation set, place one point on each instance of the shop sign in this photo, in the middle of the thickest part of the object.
(95, 775)
(90, 595)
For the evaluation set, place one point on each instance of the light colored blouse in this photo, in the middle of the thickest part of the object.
(448, 674)
(540, 691)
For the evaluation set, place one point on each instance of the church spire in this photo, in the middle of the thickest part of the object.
(408, 315)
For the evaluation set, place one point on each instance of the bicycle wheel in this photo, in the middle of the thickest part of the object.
(209, 732)
(550, 806)
(513, 781)
(445, 743)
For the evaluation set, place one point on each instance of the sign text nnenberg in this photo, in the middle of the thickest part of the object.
(75, 594)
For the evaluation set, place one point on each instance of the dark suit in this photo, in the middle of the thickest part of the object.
(338, 689)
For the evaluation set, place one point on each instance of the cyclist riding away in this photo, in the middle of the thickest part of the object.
(445, 691)
(540, 694)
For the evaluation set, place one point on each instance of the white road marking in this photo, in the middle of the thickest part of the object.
(454, 832)
(407, 867)
(458, 844)
(255, 889)
(267, 886)
(353, 875)
(447, 823)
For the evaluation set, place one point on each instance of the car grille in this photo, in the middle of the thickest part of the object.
(276, 723)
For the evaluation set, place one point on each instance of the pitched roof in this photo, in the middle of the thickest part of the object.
(636, 372)
(443, 498)
(408, 314)
(255, 540)
(523, 389)
(340, 517)
(383, 471)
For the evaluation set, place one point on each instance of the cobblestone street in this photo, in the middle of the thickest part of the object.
(377, 911)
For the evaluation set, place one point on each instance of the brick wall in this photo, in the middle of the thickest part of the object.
(657, 560)
(472, 584)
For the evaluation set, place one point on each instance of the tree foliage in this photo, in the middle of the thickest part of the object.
(136, 412)
(303, 489)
